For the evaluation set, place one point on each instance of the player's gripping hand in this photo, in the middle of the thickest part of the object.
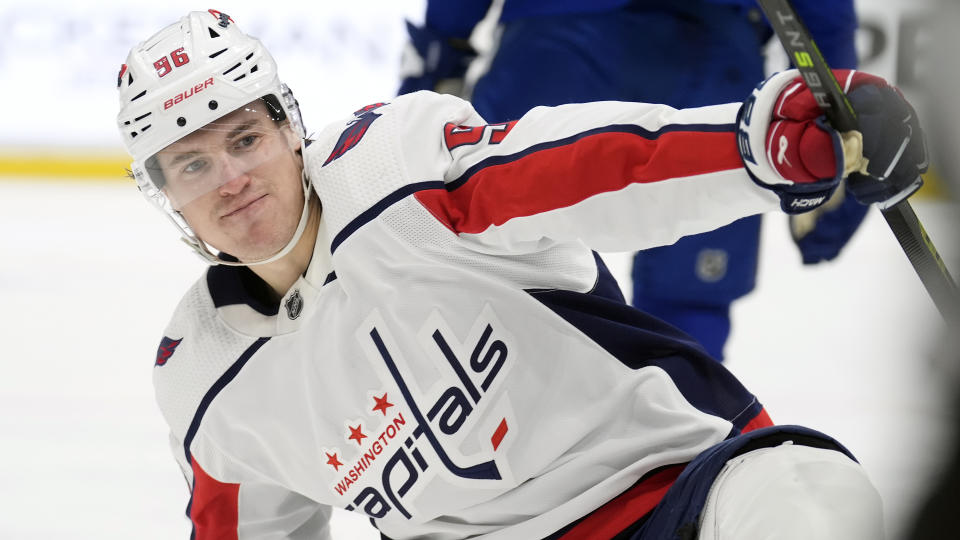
(893, 146)
(433, 62)
(788, 147)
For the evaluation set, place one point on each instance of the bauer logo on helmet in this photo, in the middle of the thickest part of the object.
(189, 92)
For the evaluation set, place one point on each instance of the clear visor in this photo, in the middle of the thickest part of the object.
(251, 140)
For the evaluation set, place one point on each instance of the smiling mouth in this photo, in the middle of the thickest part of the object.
(244, 207)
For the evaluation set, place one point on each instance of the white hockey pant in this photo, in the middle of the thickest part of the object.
(792, 492)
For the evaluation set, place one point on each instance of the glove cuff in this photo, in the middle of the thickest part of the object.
(753, 122)
(799, 198)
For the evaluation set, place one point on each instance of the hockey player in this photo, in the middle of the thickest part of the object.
(683, 54)
(405, 318)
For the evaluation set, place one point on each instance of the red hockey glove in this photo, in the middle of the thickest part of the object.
(788, 147)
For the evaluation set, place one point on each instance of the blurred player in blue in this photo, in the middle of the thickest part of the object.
(684, 54)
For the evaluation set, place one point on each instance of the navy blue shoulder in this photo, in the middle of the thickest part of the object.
(640, 340)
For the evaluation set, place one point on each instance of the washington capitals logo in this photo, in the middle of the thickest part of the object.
(166, 349)
(355, 131)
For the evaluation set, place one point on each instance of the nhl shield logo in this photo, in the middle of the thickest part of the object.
(711, 265)
(294, 305)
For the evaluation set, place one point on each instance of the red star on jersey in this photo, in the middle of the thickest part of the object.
(356, 433)
(382, 404)
(332, 460)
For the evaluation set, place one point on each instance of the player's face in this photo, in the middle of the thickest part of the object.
(237, 181)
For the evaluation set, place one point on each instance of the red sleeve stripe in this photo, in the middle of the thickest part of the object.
(563, 173)
(624, 510)
(567, 141)
(213, 504)
(761, 420)
(213, 507)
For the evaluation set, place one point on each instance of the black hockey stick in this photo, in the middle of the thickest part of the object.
(804, 54)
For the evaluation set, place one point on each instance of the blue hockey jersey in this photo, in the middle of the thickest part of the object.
(832, 22)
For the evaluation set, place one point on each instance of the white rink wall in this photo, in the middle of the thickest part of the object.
(63, 58)
(89, 275)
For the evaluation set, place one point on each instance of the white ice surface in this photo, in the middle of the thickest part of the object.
(89, 275)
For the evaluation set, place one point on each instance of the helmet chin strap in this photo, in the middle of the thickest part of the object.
(201, 248)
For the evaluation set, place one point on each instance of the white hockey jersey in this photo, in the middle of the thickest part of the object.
(456, 362)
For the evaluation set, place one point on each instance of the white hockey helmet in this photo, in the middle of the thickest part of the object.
(185, 76)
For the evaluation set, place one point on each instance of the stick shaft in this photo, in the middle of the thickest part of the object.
(901, 218)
